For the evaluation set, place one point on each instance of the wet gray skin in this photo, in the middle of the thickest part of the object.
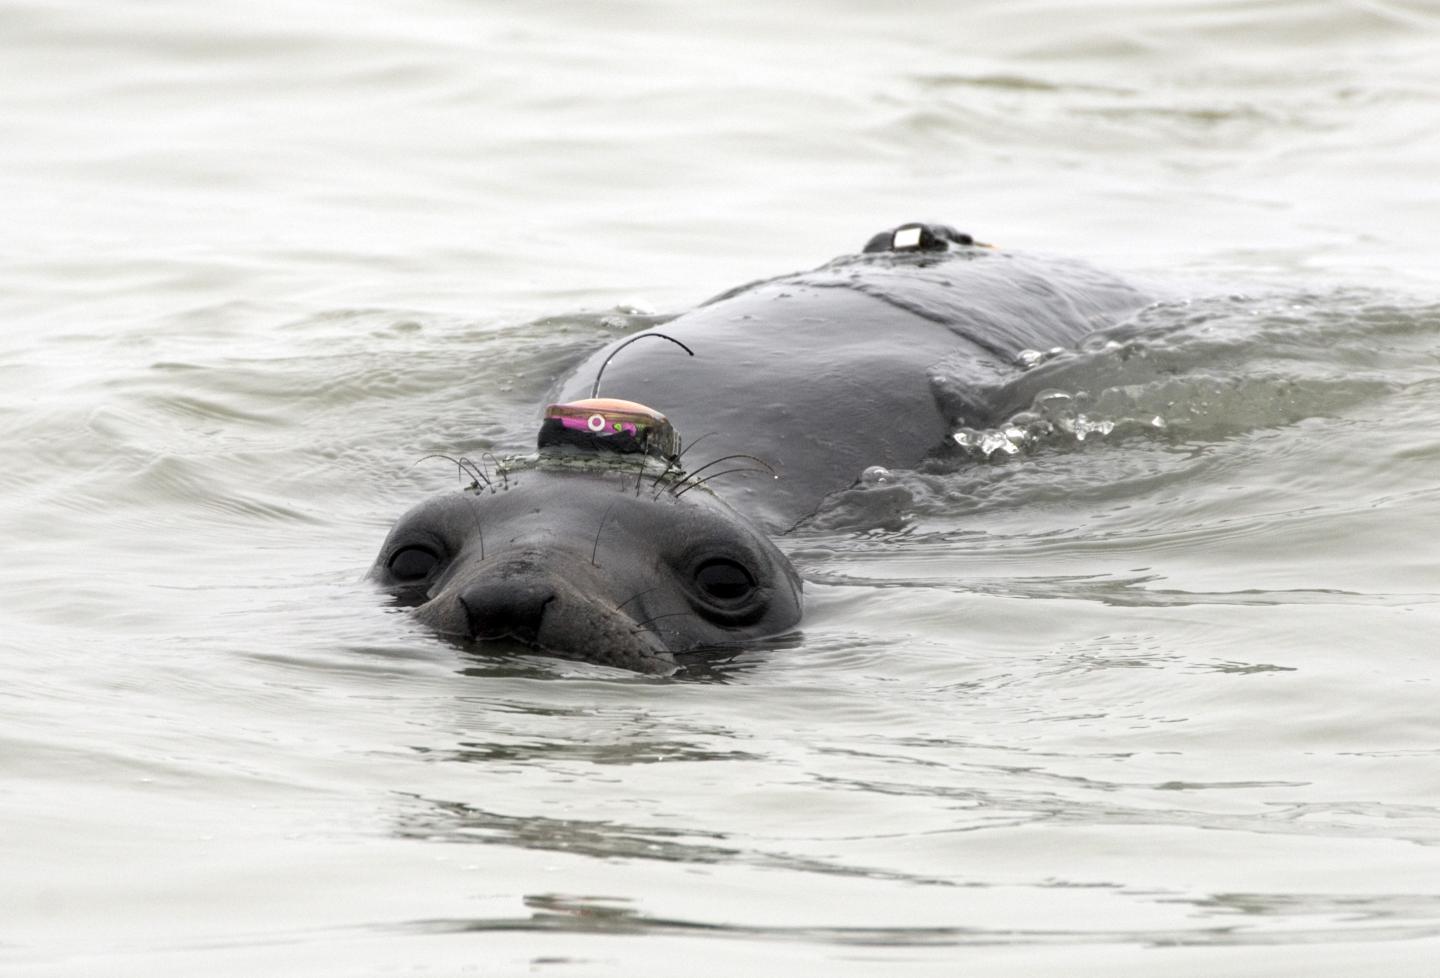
(870, 360)
(581, 565)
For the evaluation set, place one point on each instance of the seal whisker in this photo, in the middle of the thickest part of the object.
(670, 466)
(485, 468)
(706, 481)
(595, 550)
(595, 388)
(479, 532)
(640, 625)
(462, 465)
(640, 469)
(425, 458)
(505, 476)
(677, 493)
(474, 471)
(697, 441)
(637, 594)
(726, 458)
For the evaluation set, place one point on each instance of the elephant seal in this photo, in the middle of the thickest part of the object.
(610, 544)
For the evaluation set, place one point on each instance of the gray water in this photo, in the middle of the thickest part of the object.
(1144, 687)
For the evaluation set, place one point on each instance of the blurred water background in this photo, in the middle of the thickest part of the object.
(1155, 694)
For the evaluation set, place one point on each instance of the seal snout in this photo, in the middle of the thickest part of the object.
(506, 607)
(528, 601)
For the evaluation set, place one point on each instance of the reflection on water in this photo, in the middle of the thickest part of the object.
(597, 914)
(455, 823)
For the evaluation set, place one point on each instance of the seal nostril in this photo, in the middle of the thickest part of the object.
(506, 608)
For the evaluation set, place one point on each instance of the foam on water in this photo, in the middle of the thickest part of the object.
(1209, 368)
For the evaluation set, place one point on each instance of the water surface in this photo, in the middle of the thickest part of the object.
(1154, 693)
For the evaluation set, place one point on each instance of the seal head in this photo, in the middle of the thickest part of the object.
(609, 555)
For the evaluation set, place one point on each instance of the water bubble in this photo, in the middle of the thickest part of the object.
(987, 441)
(1033, 358)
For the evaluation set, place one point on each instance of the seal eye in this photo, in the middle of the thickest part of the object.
(412, 564)
(724, 581)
